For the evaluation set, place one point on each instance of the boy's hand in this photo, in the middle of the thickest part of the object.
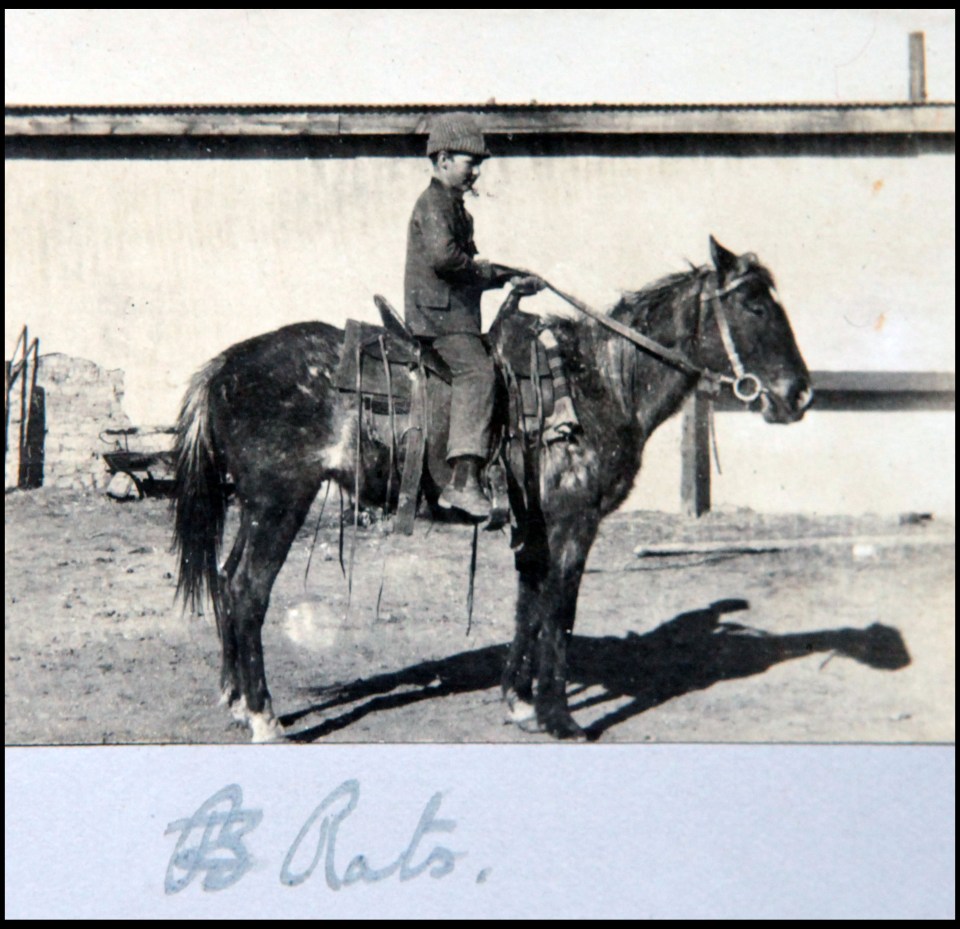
(527, 285)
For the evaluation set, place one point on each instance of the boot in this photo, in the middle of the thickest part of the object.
(463, 492)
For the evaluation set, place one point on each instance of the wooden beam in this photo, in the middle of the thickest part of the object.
(891, 391)
(779, 119)
(881, 381)
(695, 455)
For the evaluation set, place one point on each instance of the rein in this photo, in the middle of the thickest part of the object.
(746, 387)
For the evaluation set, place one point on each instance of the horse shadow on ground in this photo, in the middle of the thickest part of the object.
(691, 652)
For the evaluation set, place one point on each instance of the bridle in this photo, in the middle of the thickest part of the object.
(745, 385)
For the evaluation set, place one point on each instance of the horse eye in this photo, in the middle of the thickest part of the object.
(757, 309)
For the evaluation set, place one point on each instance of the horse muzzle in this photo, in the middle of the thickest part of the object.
(787, 400)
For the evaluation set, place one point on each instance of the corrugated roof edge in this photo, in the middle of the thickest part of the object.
(132, 109)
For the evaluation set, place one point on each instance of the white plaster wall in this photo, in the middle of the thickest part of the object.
(154, 266)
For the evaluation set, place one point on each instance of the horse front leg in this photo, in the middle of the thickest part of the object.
(569, 543)
(518, 674)
(553, 712)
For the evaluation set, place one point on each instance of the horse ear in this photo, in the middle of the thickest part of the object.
(724, 260)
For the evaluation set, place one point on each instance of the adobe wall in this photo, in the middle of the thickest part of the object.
(81, 401)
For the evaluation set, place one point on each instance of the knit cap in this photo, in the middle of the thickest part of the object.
(456, 132)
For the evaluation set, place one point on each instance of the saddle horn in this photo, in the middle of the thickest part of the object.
(392, 320)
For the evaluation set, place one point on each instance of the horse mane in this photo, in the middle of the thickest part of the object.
(641, 308)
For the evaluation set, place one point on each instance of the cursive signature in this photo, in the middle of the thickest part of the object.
(212, 843)
(326, 820)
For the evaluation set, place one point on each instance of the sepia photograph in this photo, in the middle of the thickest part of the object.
(609, 400)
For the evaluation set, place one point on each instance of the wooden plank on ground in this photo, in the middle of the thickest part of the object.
(861, 545)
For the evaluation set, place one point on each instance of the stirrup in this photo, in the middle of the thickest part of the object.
(562, 424)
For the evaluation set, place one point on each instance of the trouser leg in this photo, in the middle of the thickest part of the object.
(471, 403)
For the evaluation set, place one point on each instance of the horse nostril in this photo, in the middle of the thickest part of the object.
(804, 398)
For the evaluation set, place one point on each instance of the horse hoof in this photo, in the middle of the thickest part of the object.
(565, 728)
(237, 706)
(530, 726)
(265, 728)
(519, 712)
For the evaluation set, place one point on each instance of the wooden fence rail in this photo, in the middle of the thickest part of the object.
(860, 391)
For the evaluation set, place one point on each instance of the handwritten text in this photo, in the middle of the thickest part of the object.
(213, 843)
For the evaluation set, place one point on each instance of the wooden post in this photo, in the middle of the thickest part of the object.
(31, 457)
(918, 69)
(695, 454)
(7, 384)
(24, 409)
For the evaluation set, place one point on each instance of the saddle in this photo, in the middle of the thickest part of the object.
(403, 388)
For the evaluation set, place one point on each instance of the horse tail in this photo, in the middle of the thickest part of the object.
(200, 492)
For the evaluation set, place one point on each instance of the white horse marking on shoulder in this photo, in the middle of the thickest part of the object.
(340, 456)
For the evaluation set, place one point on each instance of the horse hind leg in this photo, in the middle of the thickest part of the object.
(230, 695)
(267, 543)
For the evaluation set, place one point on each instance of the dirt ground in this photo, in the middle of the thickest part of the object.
(844, 641)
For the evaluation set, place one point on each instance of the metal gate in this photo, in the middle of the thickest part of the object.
(20, 375)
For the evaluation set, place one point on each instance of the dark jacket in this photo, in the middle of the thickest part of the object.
(443, 281)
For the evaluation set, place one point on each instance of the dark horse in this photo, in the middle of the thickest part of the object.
(265, 415)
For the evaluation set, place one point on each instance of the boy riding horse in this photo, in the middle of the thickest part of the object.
(443, 284)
